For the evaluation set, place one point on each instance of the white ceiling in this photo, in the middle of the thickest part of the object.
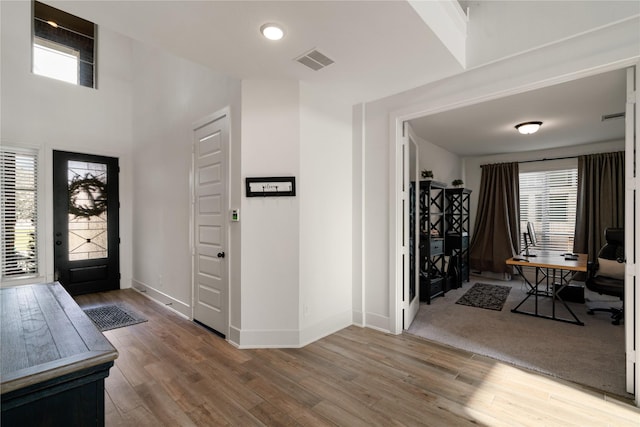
(379, 47)
(382, 48)
(571, 114)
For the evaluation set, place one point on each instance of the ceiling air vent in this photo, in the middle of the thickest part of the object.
(314, 60)
(612, 116)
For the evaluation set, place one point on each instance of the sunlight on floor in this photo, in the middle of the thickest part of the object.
(546, 400)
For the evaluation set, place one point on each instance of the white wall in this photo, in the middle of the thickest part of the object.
(52, 115)
(271, 225)
(375, 216)
(292, 282)
(473, 170)
(445, 165)
(142, 112)
(601, 50)
(296, 251)
(169, 95)
(325, 196)
(497, 29)
(357, 214)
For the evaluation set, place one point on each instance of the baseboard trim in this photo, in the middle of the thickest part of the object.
(325, 327)
(234, 336)
(284, 338)
(160, 297)
(358, 318)
(377, 322)
(289, 338)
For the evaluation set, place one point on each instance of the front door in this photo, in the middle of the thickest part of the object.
(85, 222)
(211, 284)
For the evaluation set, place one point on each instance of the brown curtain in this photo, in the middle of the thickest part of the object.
(497, 227)
(600, 200)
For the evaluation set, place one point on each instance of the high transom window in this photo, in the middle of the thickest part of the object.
(63, 46)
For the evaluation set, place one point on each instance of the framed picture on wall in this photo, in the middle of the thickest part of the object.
(271, 186)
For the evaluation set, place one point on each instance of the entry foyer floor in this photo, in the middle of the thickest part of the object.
(173, 372)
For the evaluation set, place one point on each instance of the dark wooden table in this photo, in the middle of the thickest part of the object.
(53, 359)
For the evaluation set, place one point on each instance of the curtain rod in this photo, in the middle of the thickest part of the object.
(552, 158)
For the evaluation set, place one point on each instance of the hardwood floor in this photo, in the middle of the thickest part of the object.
(172, 372)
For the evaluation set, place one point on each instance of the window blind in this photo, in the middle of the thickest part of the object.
(548, 200)
(19, 214)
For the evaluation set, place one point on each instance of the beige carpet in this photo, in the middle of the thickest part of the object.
(592, 354)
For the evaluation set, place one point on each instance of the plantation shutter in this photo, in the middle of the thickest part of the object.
(19, 214)
(548, 200)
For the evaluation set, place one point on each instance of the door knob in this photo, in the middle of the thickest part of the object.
(220, 254)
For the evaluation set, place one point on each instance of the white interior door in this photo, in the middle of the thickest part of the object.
(211, 281)
(632, 235)
(411, 246)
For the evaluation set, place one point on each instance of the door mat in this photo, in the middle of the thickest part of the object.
(108, 317)
(482, 295)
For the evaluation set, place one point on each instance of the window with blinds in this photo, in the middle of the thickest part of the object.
(19, 215)
(548, 200)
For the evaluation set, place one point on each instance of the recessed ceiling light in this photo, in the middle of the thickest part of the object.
(53, 24)
(528, 128)
(272, 31)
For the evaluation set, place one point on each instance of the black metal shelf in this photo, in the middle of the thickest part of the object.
(457, 234)
(433, 277)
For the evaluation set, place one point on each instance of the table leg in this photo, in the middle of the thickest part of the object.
(542, 276)
(556, 295)
(533, 290)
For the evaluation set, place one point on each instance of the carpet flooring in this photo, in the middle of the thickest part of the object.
(592, 355)
(107, 317)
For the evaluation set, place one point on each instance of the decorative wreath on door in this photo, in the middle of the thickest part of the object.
(87, 196)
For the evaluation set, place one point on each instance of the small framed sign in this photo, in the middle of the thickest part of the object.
(271, 186)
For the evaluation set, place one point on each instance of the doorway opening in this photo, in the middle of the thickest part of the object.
(399, 270)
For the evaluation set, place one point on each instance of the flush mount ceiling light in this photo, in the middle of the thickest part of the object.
(272, 31)
(528, 128)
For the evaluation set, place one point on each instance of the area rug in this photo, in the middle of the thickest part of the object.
(483, 295)
(107, 317)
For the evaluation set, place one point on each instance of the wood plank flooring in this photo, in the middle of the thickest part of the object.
(172, 372)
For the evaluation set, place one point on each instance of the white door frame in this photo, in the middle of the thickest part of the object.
(632, 229)
(410, 308)
(224, 112)
(396, 265)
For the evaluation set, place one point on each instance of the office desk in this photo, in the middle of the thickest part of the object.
(549, 266)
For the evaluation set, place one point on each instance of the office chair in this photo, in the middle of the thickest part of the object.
(606, 275)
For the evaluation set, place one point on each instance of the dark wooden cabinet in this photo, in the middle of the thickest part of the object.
(54, 359)
(433, 277)
(457, 234)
